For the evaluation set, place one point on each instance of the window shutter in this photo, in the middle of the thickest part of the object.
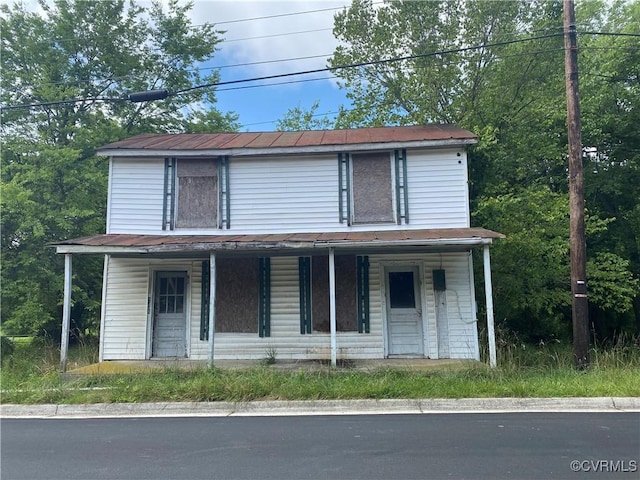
(362, 266)
(344, 188)
(168, 200)
(204, 302)
(304, 275)
(224, 199)
(402, 194)
(264, 286)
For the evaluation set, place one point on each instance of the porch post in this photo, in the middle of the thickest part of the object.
(66, 313)
(212, 304)
(332, 305)
(489, 299)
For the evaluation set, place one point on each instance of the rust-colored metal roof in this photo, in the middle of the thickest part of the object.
(265, 141)
(191, 243)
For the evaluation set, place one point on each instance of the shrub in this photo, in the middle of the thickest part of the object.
(7, 348)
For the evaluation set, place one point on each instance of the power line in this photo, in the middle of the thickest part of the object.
(366, 64)
(285, 14)
(277, 35)
(244, 87)
(220, 67)
(213, 24)
(319, 70)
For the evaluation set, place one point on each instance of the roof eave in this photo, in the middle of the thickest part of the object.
(250, 152)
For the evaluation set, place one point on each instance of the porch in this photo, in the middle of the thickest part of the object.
(402, 281)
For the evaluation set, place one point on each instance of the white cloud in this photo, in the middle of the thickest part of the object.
(278, 38)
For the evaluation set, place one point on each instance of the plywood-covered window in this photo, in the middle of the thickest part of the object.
(197, 193)
(243, 296)
(237, 299)
(372, 188)
(351, 313)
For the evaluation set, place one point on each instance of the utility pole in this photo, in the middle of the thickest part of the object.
(577, 242)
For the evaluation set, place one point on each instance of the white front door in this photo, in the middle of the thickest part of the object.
(169, 315)
(404, 312)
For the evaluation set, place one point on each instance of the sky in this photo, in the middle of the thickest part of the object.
(248, 38)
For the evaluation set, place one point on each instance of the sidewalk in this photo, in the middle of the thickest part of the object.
(324, 407)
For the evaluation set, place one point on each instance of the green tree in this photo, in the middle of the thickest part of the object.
(510, 91)
(531, 265)
(53, 185)
(610, 82)
(297, 119)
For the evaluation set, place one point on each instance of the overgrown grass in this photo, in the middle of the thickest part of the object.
(30, 376)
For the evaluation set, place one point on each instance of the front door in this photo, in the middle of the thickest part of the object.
(170, 319)
(404, 312)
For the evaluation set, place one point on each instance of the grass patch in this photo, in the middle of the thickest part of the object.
(30, 376)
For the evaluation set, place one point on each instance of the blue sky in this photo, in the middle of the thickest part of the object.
(250, 38)
(279, 38)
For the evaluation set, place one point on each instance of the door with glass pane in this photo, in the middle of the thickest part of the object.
(170, 319)
(404, 312)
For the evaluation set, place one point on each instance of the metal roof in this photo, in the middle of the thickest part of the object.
(251, 143)
(132, 243)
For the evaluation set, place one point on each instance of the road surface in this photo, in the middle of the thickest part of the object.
(456, 446)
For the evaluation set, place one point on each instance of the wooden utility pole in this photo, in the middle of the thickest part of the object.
(577, 242)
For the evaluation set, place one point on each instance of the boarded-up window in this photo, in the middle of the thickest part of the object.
(237, 295)
(197, 200)
(372, 188)
(346, 293)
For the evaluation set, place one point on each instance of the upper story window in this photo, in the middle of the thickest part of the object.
(373, 188)
(196, 193)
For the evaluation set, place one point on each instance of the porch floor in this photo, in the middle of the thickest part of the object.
(142, 366)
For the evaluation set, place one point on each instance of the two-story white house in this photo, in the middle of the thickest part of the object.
(342, 244)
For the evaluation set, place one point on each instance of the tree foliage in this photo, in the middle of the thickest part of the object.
(53, 185)
(298, 118)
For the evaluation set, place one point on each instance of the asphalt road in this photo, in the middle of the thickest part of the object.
(475, 446)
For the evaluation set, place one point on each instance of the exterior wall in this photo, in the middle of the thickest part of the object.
(126, 333)
(136, 189)
(291, 194)
(125, 328)
(438, 189)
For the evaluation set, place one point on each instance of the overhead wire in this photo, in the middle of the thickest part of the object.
(319, 70)
(364, 64)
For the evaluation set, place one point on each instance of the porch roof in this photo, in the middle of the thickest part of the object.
(193, 244)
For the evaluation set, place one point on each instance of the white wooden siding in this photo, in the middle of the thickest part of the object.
(136, 192)
(438, 190)
(124, 334)
(461, 315)
(287, 194)
(291, 194)
(126, 331)
(285, 327)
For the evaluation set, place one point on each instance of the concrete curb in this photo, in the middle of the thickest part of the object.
(323, 407)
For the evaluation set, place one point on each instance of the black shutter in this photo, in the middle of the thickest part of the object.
(304, 275)
(264, 306)
(168, 200)
(204, 302)
(362, 264)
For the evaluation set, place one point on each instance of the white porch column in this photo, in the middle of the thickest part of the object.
(489, 299)
(66, 313)
(332, 305)
(212, 304)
